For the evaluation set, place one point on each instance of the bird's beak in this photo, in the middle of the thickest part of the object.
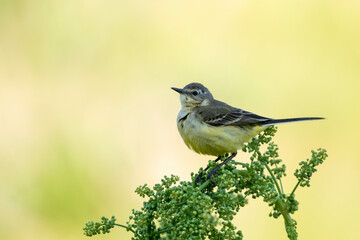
(179, 90)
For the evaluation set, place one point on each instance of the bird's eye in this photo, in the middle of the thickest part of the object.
(195, 93)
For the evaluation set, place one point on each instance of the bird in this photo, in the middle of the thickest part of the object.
(211, 127)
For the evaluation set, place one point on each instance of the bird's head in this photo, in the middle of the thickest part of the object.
(194, 95)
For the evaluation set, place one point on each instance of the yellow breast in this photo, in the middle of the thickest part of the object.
(214, 140)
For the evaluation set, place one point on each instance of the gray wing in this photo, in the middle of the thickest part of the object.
(224, 115)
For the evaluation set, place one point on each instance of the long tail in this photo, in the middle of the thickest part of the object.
(288, 120)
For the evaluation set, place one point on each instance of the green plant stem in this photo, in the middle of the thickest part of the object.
(204, 185)
(287, 218)
(289, 224)
(293, 191)
(120, 225)
(241, 172)
(240, 163)
(282, 189)
(123, 226)
(274, 179)
(161, 231)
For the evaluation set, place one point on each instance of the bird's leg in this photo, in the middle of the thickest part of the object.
(220, 165)
(216, 160)
(198, 178)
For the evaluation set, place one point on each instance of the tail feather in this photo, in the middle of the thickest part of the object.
(271, 122)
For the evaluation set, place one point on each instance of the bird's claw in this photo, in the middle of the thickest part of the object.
(198, 179)
(210, 176)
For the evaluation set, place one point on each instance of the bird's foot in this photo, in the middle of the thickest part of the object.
(212, 174)
(198, 179)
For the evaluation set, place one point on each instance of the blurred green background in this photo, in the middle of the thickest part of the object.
(87, 113)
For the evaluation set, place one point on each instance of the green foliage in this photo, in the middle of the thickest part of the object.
(177, 209)
(92, 228)
(307, 168)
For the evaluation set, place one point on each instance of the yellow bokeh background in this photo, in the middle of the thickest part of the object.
(87, 113)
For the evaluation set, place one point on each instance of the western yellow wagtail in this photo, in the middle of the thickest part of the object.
(212, 127)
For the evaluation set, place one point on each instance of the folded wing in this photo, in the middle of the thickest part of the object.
(224, 115)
